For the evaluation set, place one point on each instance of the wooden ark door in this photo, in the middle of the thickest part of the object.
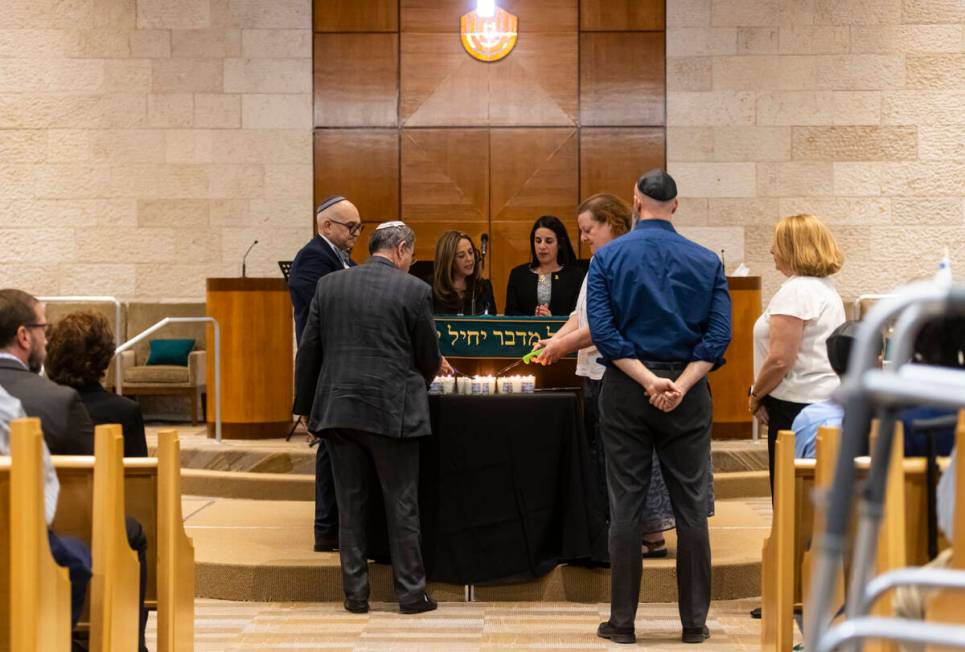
(409, 126)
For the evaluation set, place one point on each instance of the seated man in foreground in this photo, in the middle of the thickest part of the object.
(67, 552)
(66, 425)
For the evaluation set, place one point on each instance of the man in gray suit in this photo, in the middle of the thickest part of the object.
(366, 357)
(67, 427)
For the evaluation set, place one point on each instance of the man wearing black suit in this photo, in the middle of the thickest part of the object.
(339, 225)
(67, 427)
(366, 358)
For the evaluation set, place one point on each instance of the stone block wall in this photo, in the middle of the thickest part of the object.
(145, 144)
(853, 110)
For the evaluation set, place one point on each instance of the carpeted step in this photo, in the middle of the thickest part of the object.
(262, 551)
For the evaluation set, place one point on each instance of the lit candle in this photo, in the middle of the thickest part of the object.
(464, 384)
(505, 385)
(517, 382)
(528, 384)
(448, 384)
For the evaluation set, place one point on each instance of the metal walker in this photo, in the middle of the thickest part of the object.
(867, 392)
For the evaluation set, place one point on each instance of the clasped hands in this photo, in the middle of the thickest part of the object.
(665, 394)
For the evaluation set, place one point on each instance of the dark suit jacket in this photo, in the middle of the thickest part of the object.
(312, 262)
(521, 290)
(368, 353)
(105, 407)
(485, 302)
(67, 427)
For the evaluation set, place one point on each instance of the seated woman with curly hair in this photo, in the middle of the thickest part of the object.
(79, 349)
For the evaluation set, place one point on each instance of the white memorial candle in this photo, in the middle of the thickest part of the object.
(448, 384)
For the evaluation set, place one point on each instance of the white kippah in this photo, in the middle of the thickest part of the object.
(389, 225)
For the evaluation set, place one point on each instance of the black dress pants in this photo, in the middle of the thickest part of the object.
(326, 507)
(138, 542)
(780, 416)
(355, 455)
(631, 430)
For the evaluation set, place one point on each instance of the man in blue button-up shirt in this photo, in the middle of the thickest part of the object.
(660, 314)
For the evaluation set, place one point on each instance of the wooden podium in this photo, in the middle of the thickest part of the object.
(255, 315)
(730, 383)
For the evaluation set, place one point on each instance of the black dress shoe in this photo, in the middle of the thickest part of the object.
(695, 634)
(756, 613)
(419, 606)
(326, 543)
(616, 634)
(356, 606)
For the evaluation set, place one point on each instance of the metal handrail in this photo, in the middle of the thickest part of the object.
(217, 357)
(118, 376)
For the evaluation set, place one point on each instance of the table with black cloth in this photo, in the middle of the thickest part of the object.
(505, 490)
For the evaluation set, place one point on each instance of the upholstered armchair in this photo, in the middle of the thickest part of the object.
(142, 379)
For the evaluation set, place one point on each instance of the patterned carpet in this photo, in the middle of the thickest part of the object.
(455, 627)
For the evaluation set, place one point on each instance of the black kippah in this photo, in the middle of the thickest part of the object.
(328, 202)
(658, 185)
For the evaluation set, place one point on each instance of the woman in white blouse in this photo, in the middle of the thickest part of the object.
(791, 366)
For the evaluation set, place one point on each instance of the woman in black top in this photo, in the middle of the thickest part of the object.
(550, 283)
(79, 351)
(458, 287)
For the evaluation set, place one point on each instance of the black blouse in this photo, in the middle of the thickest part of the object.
(485, 302)
(106, 407)
(521, 290)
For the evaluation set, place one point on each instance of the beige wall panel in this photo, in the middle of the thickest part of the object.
(622, 79)
(611, 160)
(356, 80)
(361, 165)
(445, 175)
(618, 15)
(442, 85)
(356, 15)
(533, 15)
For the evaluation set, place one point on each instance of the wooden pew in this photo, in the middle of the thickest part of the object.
(74, 513)
(949, 606)
(39, 617)
(115, 585)
(797, 522)
(777, 557)
(175, 615)
(827, 444)
(152, 496)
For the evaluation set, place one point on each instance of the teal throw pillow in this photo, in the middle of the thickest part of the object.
(172, 352)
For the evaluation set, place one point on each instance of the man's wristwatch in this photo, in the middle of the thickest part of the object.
(750, 392)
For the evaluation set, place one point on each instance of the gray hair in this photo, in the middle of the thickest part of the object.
(389, 237)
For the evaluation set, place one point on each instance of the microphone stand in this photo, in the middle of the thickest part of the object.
(244, 260)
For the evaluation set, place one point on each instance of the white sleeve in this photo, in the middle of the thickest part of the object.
(795, 299)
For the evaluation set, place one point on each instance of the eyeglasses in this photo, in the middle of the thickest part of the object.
(353, 227)
(44, 326)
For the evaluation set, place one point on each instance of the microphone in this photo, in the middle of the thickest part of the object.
(723, 261)
(483, 248)
(244, 259)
